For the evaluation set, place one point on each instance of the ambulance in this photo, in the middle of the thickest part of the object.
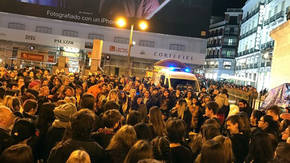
(174, 74)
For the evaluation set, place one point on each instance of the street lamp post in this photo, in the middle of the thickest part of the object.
(121, 22)
(129, 50)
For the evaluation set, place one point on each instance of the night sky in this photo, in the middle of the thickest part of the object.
(190, 17)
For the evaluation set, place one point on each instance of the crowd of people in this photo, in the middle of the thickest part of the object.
(73, 118)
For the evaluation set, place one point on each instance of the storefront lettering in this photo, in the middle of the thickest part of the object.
(30, 37)
(68, 42)
(173, 56)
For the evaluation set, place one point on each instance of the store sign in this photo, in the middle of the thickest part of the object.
(118, 49)
(172, 56)
(50, 58)
(60, 41)
(153, 53)
(32, 57)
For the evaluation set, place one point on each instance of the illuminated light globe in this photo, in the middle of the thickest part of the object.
(121, 22)
(143, 25)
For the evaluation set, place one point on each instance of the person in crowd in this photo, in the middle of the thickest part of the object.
(133, 118)
(268, 125)
(139, 151)
(274, 112)
(261, 148)
(281, 154)
(79, 156)
(212, 151)
(154, 99)
(22, 131)
(227, 146)
(18, 153)
(56, 131)
(211, 111)
(6, 123)
(161, 149)
(82, 124)
(255, 117)
(239, 137)
(139, 106)
(155, 119)
(120, 144)
(112, 120)
(30, 108)
(244, 106)
(88, 101)
(181, 111)
(176, 131)
(144, 131)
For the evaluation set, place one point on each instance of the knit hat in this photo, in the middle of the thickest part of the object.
(34, 83)
(64, 112)
(23, 129)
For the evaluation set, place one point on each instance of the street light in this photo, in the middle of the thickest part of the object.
(122, 22)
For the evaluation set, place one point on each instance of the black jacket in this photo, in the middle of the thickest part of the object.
(5, 140)
(61, 152)
(54, 135)
(240, 146)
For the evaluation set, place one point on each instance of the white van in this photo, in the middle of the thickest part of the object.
(176, 79)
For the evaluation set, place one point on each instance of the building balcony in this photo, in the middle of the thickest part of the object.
(275, 17)
(228, 33)
(249, 51)
(211, 56)
(267, 45)
(250, 32)
(253, 13)
(213, 45)
(229, 45)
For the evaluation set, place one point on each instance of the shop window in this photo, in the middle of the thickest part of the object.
(121, 40)
(94, 36)
(177, 47)
(18, 26)
(42, 29)
(70, 33)
(147, 43)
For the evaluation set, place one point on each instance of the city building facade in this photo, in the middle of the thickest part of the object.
(27, 40)
(253, 63)
(222, 45)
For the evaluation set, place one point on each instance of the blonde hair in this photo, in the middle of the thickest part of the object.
(113, 91)
(79, 156)
(125, 137)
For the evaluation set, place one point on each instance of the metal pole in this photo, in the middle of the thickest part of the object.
(129, 50)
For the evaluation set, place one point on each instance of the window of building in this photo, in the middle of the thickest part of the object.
(276, 10)
(42, 29)
(227, 65)
(283, 6)
(70, 33)
(121, 40)
(230, 42)
(94, 36)
(18, 26)
(147, 43)
(270, 14)
(177, 47)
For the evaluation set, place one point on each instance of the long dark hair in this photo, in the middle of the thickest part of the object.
(261, 148)
(157, 121)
